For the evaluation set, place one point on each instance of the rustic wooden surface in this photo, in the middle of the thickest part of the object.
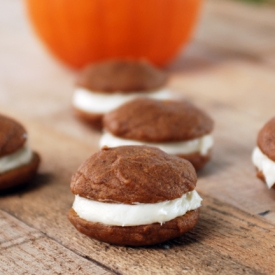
(228, 70)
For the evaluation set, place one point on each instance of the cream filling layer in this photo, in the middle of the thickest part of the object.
(136, 214)
(200, 145)
(18, 158)
(264, 164)
(95, 102)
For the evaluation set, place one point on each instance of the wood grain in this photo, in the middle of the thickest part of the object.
(24, 250)
(219, 243)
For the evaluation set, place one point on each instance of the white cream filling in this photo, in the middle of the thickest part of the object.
(20, 157)
(136, 214)
(264, 164)
(199, 145)
(95, 102)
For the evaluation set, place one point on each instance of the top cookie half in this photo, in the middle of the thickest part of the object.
(266, 139)
(133, 174)
(124, 76)
(12, 136)
(158, 121)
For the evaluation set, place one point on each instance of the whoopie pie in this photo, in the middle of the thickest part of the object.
(176, 127)
(134, 195)
(102, 87)
(263, 155)
(18, 163)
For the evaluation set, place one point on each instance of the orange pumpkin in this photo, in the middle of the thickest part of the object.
(83, 31)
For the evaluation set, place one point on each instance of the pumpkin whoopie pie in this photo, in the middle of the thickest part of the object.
(18, 163)
(104, 86)
(176, 127)
(134, 195)
(263, 155)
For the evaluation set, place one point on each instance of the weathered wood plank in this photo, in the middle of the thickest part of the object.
(236, 234)
(219, 243)
(10, 231)
(24, 250)
(225, 240)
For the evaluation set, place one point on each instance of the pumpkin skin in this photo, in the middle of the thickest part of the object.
(79, 32)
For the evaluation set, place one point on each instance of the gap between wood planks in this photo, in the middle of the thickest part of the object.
(18, 234)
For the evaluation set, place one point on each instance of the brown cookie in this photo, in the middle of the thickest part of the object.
(93, 119)
(266, 139)
(197, 160)
(113, 77)
(20, 175)
(261, 176)
(154, 121)
(13, 138)
(113, 172)
(263, 156)
(132, 175)
(121, 75)
(151, 120)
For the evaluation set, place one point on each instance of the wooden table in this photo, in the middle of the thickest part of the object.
(228, 70)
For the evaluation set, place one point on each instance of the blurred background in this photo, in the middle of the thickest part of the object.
(227, 55)
(158, 30)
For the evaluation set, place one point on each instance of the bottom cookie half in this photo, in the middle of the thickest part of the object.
(92, 119)
(197, 160)
(261, 176)
(20, 175)
(135, 235)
